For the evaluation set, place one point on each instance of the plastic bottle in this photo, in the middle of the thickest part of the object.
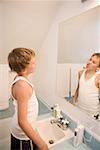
(78, 135)
(56, 111)
(75, 138)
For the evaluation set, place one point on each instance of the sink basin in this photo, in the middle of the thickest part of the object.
(51, 133)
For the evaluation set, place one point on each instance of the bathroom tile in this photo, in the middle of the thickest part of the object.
(42, 108)
(7, 112)
(91, 141)
(72, 124)
(10, 110)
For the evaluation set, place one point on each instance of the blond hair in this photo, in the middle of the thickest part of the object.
(19, 59)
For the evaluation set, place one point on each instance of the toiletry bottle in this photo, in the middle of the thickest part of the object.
(75, 138)
(57, 111)
(80, 133)
(54, 110)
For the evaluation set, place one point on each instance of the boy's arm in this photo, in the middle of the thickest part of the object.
(23, 93)
(74, 99)
(97, 81)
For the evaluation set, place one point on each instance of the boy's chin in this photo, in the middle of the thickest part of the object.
(88, 68)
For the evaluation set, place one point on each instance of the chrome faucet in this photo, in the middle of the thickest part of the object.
(61, 122)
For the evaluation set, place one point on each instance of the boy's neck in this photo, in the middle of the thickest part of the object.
(89, 74)
(25, 76)
(91, 71)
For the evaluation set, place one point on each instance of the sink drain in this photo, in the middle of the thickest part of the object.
(51, 141)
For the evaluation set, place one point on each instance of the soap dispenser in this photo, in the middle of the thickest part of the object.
(56, 112)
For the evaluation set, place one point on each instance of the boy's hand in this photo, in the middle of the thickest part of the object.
(43, 146)
(73, 100)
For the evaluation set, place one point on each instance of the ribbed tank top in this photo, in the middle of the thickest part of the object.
(32, 113)
(88, 98)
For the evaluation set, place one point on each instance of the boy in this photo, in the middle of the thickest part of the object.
(88, 90)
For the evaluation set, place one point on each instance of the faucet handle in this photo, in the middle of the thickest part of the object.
(66, 122)
(61, 118)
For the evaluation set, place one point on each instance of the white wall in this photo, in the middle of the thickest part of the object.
(67, 79)
(25, 23)
(4, 87)
(1, 32)
(45, 78)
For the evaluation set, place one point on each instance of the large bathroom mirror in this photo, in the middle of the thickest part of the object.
(79, 38)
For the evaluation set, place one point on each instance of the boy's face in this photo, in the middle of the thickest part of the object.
(32, 65)
(93, 63)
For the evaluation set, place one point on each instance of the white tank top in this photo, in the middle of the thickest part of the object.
(31, 115)
(88, 98)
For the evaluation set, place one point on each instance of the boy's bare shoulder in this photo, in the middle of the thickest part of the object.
(21, 83)
(98, 77)
(20, 86)
(21, 90)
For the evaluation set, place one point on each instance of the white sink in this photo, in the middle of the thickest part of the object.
(51, 133)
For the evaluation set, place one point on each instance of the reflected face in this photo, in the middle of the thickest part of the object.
(93, 63)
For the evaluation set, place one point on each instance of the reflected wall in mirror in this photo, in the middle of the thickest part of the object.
(78, 39)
